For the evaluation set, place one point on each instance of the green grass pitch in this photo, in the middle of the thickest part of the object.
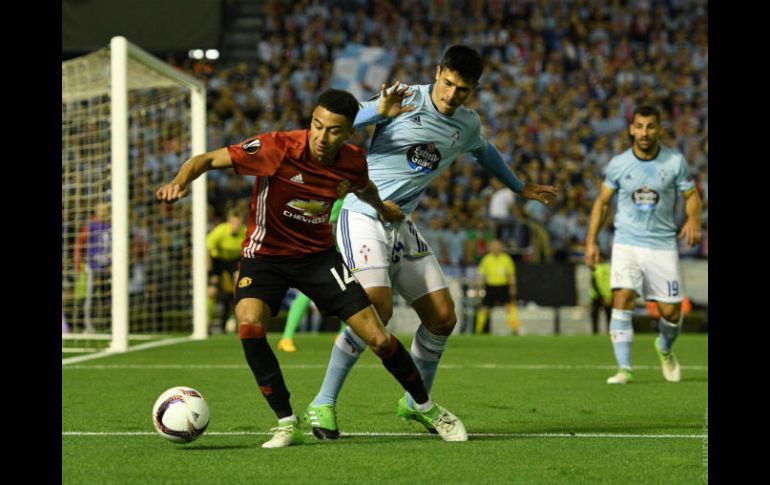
(537, 409)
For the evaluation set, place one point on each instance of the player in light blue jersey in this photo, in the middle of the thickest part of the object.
(412, 144)
(645, 260)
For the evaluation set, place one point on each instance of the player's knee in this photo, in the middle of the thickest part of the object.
(384, 311)
(249, 315)
(671, 314)
(379, 342)
(623, 300)
(445, 318)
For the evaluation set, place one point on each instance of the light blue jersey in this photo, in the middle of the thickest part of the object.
(409, 151)
(646, 196)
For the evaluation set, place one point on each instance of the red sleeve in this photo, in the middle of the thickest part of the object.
(259, 155)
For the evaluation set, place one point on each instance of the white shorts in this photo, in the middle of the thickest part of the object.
(652, 273)
(393, 255)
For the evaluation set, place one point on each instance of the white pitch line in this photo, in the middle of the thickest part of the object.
(107, 353)
(419, 435)
(375, 366)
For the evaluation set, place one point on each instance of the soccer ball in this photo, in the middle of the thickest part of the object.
(180, 414)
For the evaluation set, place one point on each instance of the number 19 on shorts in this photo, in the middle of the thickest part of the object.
(673, 288)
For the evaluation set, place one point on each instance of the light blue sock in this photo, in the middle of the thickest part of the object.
(622, 335)
(345, 353)
(426, 352)
(668, 333)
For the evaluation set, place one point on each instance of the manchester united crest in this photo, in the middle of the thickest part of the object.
(342, 188)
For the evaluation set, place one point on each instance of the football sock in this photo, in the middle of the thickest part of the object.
(622, 335)
(345, 353)
(398, 362)
(426, 352)
(265, 368)
(668, 333)
(287, 419)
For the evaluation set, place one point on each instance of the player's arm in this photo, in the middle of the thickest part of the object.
(385, 105)
(388, 211)
(489, 158)
(512, 280)
(598, 214)
(692, 225)
(191, 170)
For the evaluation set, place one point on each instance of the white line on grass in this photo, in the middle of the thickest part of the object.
(107, 353)
(375, 366)
(424, 435)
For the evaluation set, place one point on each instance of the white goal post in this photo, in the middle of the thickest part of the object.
(128, 122)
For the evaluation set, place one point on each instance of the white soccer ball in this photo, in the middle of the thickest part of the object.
(180, 414)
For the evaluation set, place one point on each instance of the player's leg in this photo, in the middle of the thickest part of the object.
(669, 326)
(481, 318)
(398, 362)
(346, 299)
(622, 334)
(626, 280)
(663, 284)
(423, 285)
(297, 311)
(346, 351)
(258, 295)
(88, 303)
(364, 246)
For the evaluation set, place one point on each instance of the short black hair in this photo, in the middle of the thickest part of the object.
(339, 102)
(465, 61)
(646, 111)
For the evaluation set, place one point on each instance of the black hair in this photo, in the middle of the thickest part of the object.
(339, 102)
(647, 111)
(465, 61)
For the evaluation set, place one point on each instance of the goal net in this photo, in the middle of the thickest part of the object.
(130, 265)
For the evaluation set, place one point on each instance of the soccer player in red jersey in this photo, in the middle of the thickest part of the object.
(299, 175)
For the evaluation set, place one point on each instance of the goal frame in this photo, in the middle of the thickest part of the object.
(121, 50)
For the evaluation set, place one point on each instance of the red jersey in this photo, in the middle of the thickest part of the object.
(293, 193)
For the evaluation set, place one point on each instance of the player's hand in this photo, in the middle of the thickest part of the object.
(591, 255)
(391, 212)
(544, 194)
(171, 193)
(690, 230)
(390, 102)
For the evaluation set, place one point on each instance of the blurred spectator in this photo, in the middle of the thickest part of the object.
(561, 81)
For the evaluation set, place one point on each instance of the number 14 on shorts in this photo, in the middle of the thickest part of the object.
(346, 279)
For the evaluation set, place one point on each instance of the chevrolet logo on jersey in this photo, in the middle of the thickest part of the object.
(309, 207)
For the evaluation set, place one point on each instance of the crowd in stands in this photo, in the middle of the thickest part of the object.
(560, 85)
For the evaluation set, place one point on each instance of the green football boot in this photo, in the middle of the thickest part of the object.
(323, 420)
(406, 413)
(672, 371)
